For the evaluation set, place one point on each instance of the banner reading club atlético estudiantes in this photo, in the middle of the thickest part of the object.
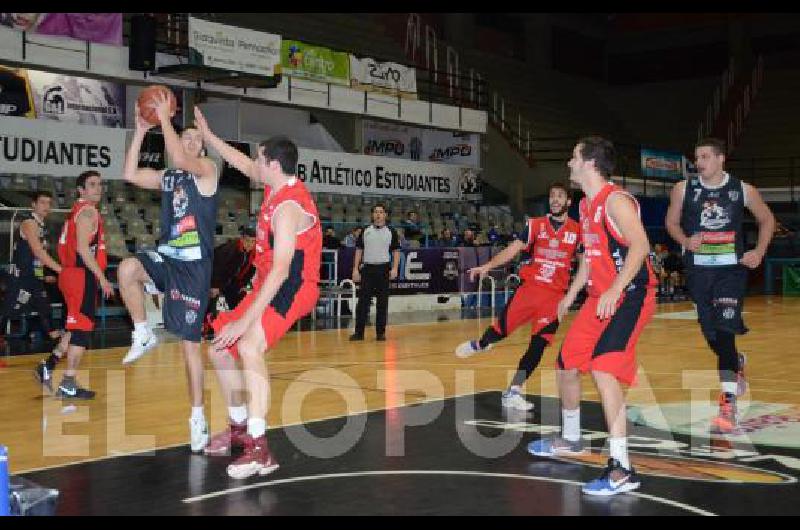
(334, 172)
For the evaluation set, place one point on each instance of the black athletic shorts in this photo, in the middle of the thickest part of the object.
(185, 285)
(719, 294)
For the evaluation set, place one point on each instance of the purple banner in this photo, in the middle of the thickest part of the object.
(425, 270)
(103, 28)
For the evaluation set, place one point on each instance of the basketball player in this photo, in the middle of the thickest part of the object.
(285, 288)
(28, 276)
(548, 244)
(82, 252)
(705, 216)
(602, 339)
(181, 266)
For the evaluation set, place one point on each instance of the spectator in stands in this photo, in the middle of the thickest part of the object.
(231, 274)
(411, 227)
(659, 253)
(447, 239)
(674, 274)
(468, 238)
(494, 236)
(330, 241)
(351, 238)
(781, 231)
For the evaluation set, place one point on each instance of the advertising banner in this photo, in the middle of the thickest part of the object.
(336, 172)
(46, 147)
(662, 165)
(77, 99)
(233, 48)
(389, 78)
(424, 270)
(315, 63)
(415, 143)
(20, 21)
(103, 28)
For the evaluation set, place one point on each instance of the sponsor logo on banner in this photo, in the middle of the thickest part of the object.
(386, 139)
(16, 97)
(77, 99)
(662, 165)
(385, 147)
(315, 63)
(233, 48)
(441, 154)
(470, 185)
(390, 78)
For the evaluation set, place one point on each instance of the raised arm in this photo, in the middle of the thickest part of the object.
(231, 155)
(201, 167)
(142, 177)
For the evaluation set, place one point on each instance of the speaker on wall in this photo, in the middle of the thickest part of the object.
(142, 43)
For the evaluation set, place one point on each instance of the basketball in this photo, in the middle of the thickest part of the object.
(147, 99)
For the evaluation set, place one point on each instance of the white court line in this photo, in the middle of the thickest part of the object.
(207, 496)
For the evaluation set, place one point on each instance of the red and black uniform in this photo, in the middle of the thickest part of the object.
(608, 345)
(77, 283)
(545, 276)
(298, 294)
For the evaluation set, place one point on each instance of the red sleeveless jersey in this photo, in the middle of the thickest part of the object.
(68, 241)
(308, 244)
(605, 248)
(550, 252)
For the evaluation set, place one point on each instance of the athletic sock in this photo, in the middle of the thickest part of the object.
(571, 430)
(256, 427)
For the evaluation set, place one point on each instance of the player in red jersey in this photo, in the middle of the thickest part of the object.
(82, 253)
(285, 288)
(548, 245)
(621, 286)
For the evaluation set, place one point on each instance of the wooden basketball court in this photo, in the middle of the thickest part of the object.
(319, 376)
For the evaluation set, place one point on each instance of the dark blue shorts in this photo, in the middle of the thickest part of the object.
(185, 285)
(719, 294)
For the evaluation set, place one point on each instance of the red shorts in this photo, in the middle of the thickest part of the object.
(79, 287)
(285, 309)
(531, 303)
(608, 345)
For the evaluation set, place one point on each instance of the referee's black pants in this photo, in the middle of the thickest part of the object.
(374, 282)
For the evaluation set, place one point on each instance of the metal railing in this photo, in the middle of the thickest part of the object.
(732, 102)
(517, 129)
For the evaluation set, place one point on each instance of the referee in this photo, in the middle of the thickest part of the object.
(376, 247)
